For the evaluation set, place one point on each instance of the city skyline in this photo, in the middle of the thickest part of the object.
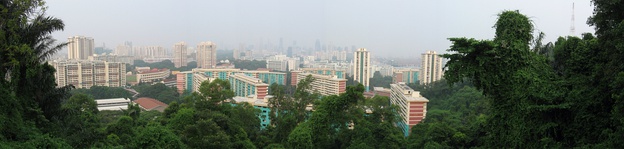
(404, 28)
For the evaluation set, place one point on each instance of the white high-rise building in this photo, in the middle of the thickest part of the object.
(206, 55)
(124, 49)
(80, 47)
(362, 67)
(84, 74)
(179, 54)
(431, 69)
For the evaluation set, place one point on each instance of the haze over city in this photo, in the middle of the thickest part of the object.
(400, 29)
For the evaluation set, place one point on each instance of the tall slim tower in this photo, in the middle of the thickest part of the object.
(80, 47)
(179, 54)
(572, 29)
(206, 55)
(362, 67)
(431, 69)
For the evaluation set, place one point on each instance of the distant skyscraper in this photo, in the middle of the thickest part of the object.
(431, 69)
(289, 53)
(362, 67)
(80, 47)
(179, 54)
(317, 45)
(124, 49)
(206, 55)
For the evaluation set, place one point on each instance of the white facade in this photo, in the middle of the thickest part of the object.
(84, 74)
(113, 104)
(206, 55)
(431, 69)
(362, 67)
(325, 84)
(80, 47)
(179, 54)
(412, 107)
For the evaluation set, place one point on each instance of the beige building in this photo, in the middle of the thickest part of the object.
(431, 69)
(198, 79)
(112, 58)
(179, 54)
(80, 47)
(206, 55)
(153, 75)
(325, 84)
(150, 52)
(412, 107)
(84, 74)
(362, 67)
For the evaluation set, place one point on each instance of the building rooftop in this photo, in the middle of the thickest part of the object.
(153, 70)
(150, 103)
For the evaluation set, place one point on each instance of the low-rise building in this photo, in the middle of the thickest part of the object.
(408, 75)
(149, 104)
(153, 75)
(412, 107)
(112, 104)
(325, 84)
(244, 86)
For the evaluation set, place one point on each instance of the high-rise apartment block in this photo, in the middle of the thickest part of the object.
(325, 84)
(206, 55)
(431, 69)
(408, 75)
(244, 85)
(362, 67)
(124, 49)
(412, 107)
(84, 74)
(149, 52)
(80, 47)
(179, 54)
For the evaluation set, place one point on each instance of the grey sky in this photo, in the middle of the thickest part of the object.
(397, 28)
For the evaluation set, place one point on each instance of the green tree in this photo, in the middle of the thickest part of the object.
(81, 121)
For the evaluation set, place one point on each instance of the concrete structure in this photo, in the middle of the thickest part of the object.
(412, 107)
(380, 91)
(150, 52)
(124, 49)
(179, 54)
(112, 104)
(185, 80)
(80, 47)
(153, 75)
(325, 84)
(198, 79)
(278, 65)
(341, 74)
(362, 67)
(84, 74)
(181, 81)
(260, 104)
(112, 58)
(408, 75)
(149, 104)
(244, 86)
(431, 69)
(206, 55)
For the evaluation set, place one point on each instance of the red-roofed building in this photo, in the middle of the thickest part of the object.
(150, 104)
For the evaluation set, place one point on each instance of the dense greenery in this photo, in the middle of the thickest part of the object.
(379, 80)
(248, 64)
(159, 92)
(103, 92)
(508, 92)
(569, 99)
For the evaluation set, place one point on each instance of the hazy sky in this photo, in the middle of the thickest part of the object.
(397, 28)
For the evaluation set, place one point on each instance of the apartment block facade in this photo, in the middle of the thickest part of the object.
(325, 84)
(80, 47)
(84, 74)
(244, 86)
(431, 69)
(412, 107)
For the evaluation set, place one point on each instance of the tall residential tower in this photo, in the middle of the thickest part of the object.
(206, 55)
(179, 54)
(362, 67)
(431, 69)
(80, 47)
